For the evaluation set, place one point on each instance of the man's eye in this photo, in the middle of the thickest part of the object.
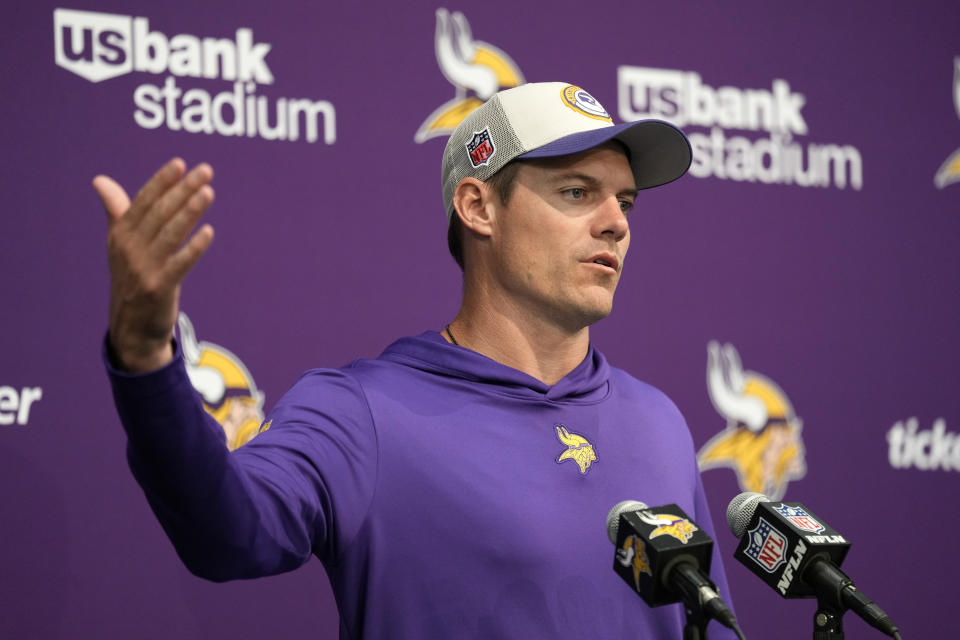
(576, 193)
(626, 205)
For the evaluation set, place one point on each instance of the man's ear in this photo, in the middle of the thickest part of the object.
(473, 201)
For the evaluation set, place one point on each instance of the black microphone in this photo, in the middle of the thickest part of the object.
(791, 549)
(665, 558)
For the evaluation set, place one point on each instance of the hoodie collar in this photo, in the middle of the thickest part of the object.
(429, 351)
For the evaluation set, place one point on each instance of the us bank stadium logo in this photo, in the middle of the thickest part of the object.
(476, 69)
(228, 391)
(761, 442)
(775, 156)
(101, 46)
(949, 171)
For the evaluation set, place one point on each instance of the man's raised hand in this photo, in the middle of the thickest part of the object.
(149, 258)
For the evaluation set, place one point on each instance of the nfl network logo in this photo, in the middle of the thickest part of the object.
(799, 518)
(481, 148)
(767, 546)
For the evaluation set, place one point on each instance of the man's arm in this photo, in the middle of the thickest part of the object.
(259, 510)
(220, 514)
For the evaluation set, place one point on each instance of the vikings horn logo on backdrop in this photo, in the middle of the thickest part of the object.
(949, 171)
(762, 441)
(476, 69)
(226, 386)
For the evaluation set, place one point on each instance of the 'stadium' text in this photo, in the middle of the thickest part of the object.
(239, 112)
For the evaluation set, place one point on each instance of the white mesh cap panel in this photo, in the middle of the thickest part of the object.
(456, 160)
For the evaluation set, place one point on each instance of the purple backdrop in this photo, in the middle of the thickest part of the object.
(817, 238)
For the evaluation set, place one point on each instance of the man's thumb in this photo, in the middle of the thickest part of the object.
(114, 198)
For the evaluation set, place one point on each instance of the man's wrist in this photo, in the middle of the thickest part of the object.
(142, 359)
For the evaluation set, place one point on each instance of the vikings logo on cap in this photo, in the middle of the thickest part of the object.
(767, 546)
(799, 518)
(761, 442)
(634, 553)
(229, 393)
(578, 449)
(480, 148)
(584, 103)
(668, 525)
(476, 69)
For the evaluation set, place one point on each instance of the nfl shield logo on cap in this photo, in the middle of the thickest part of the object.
(480, 148)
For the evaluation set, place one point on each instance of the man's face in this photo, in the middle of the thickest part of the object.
(561, 239)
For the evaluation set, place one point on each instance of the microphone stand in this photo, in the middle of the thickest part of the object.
(696, 626)
(828, 620)
(700, 601)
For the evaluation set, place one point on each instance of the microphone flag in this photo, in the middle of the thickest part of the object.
(781, 540)
(652, 542)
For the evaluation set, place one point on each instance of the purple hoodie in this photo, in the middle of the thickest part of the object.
(447, 495)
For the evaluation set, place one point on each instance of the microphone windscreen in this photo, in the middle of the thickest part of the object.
(613, 518)
(740, 511)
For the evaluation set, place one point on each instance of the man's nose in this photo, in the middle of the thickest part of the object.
(611, 219)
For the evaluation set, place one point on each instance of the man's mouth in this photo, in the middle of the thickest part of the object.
(606, 260)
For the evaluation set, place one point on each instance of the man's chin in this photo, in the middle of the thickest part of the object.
(600, 315)
(590, 314)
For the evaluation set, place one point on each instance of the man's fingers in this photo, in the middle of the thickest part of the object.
(173, 233)
(183, 260)
(162, 180)
(114, 198)
(175, 199)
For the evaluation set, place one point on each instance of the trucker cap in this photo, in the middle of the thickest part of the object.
(546, 119)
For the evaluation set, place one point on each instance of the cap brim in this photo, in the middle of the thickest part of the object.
(659, 152)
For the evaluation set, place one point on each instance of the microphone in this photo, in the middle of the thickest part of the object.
(787, 546)
(660, 553)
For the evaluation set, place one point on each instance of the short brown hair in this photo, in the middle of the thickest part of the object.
(502, 183)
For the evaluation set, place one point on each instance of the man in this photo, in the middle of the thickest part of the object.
(456, 486)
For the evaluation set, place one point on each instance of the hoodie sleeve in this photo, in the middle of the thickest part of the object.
(301, 487)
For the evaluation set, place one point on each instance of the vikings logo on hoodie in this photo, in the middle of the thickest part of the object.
(578, 449)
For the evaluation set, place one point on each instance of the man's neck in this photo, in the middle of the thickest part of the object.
(535, 345)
